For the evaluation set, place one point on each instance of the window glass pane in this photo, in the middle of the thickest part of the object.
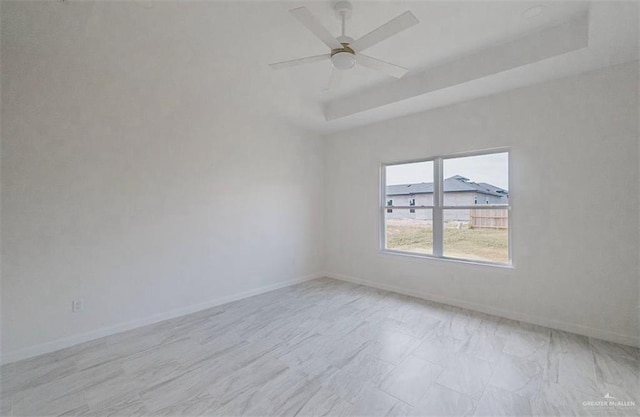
(408, 183)
(478, 234)
(409, 230)
(476, 180)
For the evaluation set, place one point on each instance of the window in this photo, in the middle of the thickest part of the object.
(442, 217)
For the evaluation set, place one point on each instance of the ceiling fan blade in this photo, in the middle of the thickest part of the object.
(310, 22)
(376, 64)
(299, 61)
(392, 27)
(335, 80)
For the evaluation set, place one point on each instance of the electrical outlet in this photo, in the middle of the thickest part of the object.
(77, 305)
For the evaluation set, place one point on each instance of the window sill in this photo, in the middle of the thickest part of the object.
(446, 259)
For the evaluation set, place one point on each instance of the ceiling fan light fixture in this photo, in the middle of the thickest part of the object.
(343, 60)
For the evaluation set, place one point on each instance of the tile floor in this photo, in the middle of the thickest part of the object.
(327, 347)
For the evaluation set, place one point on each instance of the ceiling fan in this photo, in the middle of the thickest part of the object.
(345, 51)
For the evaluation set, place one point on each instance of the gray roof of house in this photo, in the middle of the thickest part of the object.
(457, 183)
(493, 188)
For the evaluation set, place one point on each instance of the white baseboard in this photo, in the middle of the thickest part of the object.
(66, 342)
(513, 315)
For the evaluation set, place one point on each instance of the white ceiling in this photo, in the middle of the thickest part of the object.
(220, 51)
(447, 30)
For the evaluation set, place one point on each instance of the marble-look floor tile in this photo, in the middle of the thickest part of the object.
(373, 402)
(571, 363)
(5, 405)
(352, 378)
(443, 402)
(307, 354)
(146, 374)
(115, 348)
(338, 326)
(410, 380)
(326, 347)
(518, 375)
(44, 404)
(485, 344)
(617, 369)
(249, 378)
(340, 351)
(415, 321)
(112, 393)
(133, 408)
(439, 345)
(220, 362)
(528, 341)
(389, 345)
(33, 372)
(559, 400)
(65, 394)
(401, 409)
(285, 395)
(497, 402)
(219, 349)
(325, 403)
(182, 388)
(251, 402)
(466, 374)
(201, 405)
(464, 324)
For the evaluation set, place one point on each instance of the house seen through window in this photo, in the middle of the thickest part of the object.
(432, 207)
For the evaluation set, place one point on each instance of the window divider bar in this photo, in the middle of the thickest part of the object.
(438, 226)
(382, 225)
(408, 207)
(477, 206)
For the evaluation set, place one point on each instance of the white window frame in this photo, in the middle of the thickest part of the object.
(438, 209)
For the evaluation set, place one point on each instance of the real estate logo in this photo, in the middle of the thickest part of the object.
(608, 400)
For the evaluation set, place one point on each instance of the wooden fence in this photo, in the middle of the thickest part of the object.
(489, 219)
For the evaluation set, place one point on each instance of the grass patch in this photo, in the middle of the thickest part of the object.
(479, 244)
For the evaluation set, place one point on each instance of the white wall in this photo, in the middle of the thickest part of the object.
(135, 180)
(574, 147)
(141, 191)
